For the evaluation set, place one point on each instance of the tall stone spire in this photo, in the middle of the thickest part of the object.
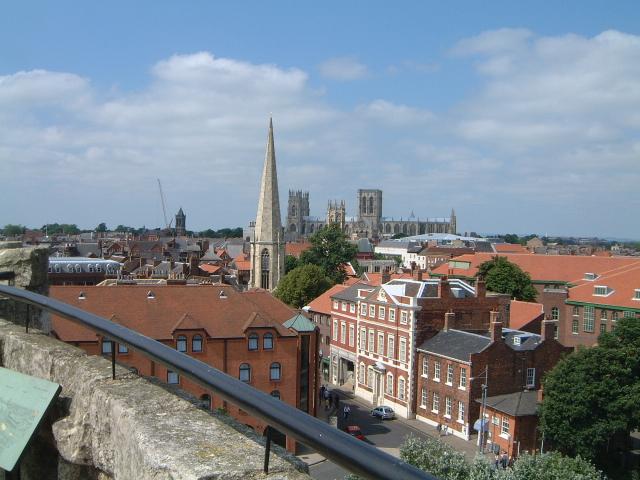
(453, 223)
(267, 245)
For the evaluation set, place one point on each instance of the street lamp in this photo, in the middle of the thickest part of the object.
(485, 386)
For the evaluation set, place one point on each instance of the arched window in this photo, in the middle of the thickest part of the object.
(267, 341)
(78, 269)
(412, 229)
(292, 227)
(253, 341)
(245, 372)
(293, 210)
(363, 205)
(91, 268)
(370, 205)
(98, 268)
(396, 228)
(265, 266)
(57, 268)
(206, 401)
(274, 371)
(181, 343)
(276, 394)
(196, 343)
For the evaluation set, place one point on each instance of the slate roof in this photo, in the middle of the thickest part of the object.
(519, 404)
(455, 344)
(351, 294)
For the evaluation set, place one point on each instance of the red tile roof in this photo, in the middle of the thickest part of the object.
(376, 278)
(242, 262)
(621, 285)
(296, 248)
(510, 248)
(523, 313)
(205, 267)
(322, 304)
(175, 306)
(541, 268)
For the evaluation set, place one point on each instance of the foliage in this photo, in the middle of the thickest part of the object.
(290, 262)
(553, 466)
(399, 235)
(62, 228)
(222, 233)
(330, 250)
(11, 230)
(102, 227)
(502, 276)
(435, 457)
(301, 285)
(511, 238)
(593, 395)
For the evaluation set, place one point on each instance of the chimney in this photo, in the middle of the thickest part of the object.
(449, 320)
(419, 275)
(495, 327)
(444, 288)
(540, 395)
(386, 276)
(481, 288)
(548, 330)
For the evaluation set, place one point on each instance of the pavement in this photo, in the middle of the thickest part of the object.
(345, 392)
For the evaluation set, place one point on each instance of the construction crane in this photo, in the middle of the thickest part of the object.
(164, 209)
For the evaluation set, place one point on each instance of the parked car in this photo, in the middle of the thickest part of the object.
(383, 412)
(355, 431)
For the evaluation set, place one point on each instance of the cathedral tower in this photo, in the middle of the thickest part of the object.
(181, 223)
(336, 213)
(297, 210)
(453, 227)
(267, 244)
(370, 210)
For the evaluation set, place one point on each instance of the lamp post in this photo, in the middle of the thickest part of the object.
(485, 386)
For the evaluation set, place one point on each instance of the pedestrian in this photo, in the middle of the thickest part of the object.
(446, 430)
(326, 399)
(497, 460)
(346, 411)
(439, 428)
(322, 389)
(511, 461)
(504, 460)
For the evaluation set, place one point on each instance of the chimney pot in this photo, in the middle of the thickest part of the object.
(495, 327)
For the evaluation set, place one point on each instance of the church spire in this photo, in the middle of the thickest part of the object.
(267, 248)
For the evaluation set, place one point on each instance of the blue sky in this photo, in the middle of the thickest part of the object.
(520, 115)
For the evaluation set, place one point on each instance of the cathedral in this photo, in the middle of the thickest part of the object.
(369, 222)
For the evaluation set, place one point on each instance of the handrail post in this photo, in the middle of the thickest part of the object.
(267, 450)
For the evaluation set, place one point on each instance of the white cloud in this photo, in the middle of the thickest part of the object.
(343, 68)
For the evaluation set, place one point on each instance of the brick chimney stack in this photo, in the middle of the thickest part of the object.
(548, 330)
(386, 276)
(449, 320)
(444, 288)
(419, 275)
(495, 327)
(481, 288)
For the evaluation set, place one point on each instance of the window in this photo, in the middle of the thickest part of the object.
(363, 309)
(267, 341)
(576, 311)
(371, 340)
(505, 426)
(603, 327)
(343, 306)
(275, 394)
(90, 268)
(391, 346)
(588, 319)
(392, 315)
(372, 311)
(555, 313)
(425, 367)
(274, 371)
(600, 290)
(352, 308)
(629, 314)
(380, 343)
(636, 294)
(206, 401)
(435, 403)
(335, 305)
(449, 374)
(245, 372)
(106, 345)
(402, 354)
(363, 338)
(352, 334)
(436, 371)
(381, 313)
(370, 376)
(463, 378)
(98, 268)
(253, 341)
(423, 398)
(343, 332)
(57, 268)
(361, 373)
(603, 315)
(447, 407)
(495, 420)
(401, 388)
(335, 331)
(389, 384)
(531, 377)
(614, 316)
(461, 412)
(574, 326)
(172, 378)
(403, 316)
(122, 348)
(181, 343)
(196, 343)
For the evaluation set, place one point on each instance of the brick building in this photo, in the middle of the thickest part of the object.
(454, 365)
(250, 335)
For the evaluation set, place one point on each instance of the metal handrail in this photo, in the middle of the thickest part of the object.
(348, 452)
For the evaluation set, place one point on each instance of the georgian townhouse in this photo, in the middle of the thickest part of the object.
(394, 319)
(455, 364)
(251, 335)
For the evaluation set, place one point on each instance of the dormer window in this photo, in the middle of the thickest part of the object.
(90, 268)
(81, 296)
(151, 295)
(98, 268)
(591, 276)
(222, 294)
(636, 294)
(57, 268)
(50, 269)
(78, 269)
(516, 340)
(601, 290)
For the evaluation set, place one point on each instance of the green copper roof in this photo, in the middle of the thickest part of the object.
(300, 323)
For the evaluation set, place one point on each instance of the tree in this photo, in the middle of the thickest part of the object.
(11, 230)
(502, 276)
(102, 227)
(593, 396)
(302, 284)
(290, 262)
(330, 250)
(511, 238)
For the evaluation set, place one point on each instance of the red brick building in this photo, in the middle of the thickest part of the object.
(250, 335)
(454, 365)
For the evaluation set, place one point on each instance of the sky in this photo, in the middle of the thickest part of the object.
(523, 116)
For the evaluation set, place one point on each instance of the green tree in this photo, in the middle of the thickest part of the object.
(330, 250)
(593, 396)
(511, 238)
(302, 284)
(502, 276)
(11, 230)
(290, 262)
(102, 227)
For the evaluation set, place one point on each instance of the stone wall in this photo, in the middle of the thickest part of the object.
(128, 428)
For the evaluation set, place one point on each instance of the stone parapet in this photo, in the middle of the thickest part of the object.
(129, 428)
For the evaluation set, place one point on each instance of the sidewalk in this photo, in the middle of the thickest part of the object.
(306, 454)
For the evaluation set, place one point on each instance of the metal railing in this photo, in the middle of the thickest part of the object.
(350, 453)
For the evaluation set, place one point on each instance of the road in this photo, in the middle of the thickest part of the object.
(387, 435)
